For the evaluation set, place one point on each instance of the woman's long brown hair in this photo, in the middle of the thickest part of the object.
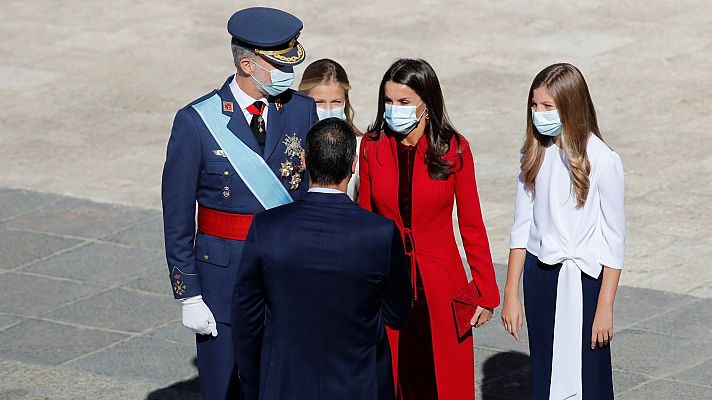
(323, 72)
(568, 88)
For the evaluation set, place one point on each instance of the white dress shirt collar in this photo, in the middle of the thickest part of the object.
(244, 100)
(325, 190)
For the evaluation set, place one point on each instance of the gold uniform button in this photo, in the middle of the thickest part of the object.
(205, 257)
(226, 173)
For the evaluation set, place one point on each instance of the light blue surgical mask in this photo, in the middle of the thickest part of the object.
(547, 122)
(334, 112)
(280, 81)
(402, 119)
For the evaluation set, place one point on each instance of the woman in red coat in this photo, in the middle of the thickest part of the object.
(413, 168)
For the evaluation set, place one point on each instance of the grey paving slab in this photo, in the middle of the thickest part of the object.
(29, 295)
(692, 321)
(148, 234)
(22, 381)
(666, 390)
(152, 282)
(101, 263)
(700, 374)
(655, 354)
(175, 332)
(623, 381)
(16, 202)
(141, 358)
(80, 218)
(18, 247)
(43, 342)
(635, 304)
(120, 310)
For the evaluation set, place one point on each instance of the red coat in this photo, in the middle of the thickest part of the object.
(436, 251)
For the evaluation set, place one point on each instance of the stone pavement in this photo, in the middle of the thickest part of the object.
(86, 313)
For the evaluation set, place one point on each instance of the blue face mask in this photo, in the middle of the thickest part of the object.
(547, 122)
(280, 81)
(402, 119)
(334, 112)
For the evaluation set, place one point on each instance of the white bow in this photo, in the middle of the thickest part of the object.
(568, 320)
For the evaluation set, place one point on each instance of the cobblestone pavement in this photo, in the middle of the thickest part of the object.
(86, 313)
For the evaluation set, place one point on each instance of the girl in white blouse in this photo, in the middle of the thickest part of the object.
(568, 237)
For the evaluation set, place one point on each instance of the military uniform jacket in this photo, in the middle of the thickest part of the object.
(197, 171)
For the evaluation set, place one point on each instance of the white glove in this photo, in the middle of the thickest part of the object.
(197, 316)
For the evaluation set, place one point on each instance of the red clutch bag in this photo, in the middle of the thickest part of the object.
(464, 305)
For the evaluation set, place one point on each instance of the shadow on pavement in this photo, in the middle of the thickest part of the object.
(184, 390)
(506, 376)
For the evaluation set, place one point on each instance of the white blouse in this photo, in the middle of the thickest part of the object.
(548, 224)
(551, 214)
(352, 190)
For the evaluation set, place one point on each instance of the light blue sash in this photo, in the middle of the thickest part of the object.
(251, 167)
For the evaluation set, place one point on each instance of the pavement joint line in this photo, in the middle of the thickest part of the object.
(708, 283)
(693, 300)
(86, 239)
(49, 233)
(130, 246)
(668, 335)
(126, 339)
(35, 209)
(639, 385)
(82, 326)
(56, 253)
(154, 328)
(100, 285)
(139, 291)
(56, 278)
(104, 289)
(669, 375)
(110, 345)
(700, 385)
(14, 324)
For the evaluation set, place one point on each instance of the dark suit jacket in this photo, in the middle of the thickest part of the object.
(318, 281)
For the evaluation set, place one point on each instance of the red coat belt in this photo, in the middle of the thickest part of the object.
(223, 224)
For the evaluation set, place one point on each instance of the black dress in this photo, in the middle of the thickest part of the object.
(416, 365)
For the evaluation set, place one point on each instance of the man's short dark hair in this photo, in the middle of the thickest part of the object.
(330, 151)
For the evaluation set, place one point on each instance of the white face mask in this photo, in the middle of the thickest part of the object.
(280, 80)
(547, 123)
(402, 119)
(334, 112)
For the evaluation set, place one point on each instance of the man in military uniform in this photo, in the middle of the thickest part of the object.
(234, 152)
